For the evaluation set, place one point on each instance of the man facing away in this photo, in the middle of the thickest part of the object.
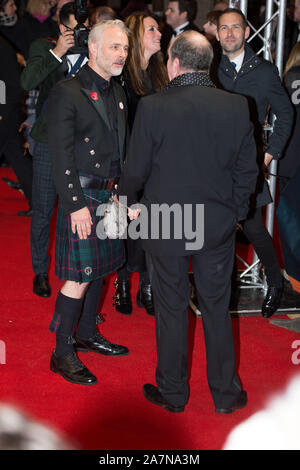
(192, 146)
(241, 71)
(87, 122)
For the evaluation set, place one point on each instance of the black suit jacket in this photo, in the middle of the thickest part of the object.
(192, 145)
(80, 137)
(10, 91)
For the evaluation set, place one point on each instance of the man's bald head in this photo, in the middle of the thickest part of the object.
(192, 52)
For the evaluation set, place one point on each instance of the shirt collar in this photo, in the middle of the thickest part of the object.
(239, 61)
(179, 29)
(99, 81)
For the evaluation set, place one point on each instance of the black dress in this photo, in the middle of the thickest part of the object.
(136, 260)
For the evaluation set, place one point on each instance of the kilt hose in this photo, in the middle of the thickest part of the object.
(86, 260)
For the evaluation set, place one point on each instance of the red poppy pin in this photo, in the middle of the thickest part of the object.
(94, 96)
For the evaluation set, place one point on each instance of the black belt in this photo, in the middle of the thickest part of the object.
(92, 182)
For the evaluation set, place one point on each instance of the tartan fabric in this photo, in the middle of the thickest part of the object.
(86, 260)
(43, 203)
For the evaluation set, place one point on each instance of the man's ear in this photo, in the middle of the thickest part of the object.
(184, 16)
(247, 32)
(61, 28)
(93, 49)
(176, 66)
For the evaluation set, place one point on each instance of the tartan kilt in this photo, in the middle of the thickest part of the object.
(86, 260)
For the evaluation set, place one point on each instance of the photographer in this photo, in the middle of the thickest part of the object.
(50, 60)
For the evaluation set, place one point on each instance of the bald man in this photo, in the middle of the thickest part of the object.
(191, 155)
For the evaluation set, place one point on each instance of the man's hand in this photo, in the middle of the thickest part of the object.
(133, 213)
(64, 43)
(81, 221)
(267, 161)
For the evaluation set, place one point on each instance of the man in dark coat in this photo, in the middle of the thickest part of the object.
(242, 72)
(192, 148)
(86, 122)
(11, 118)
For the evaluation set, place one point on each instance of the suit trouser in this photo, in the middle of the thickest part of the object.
(43, 203)
(13, 150)
(257, 234)
(169, 277)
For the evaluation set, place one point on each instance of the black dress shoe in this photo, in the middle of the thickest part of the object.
(144, 298)
(122, 299)
(240, 402)
(72, 369)
(13, 184)
(100, 345)
(271, 302)
(41, 285)
(153, 395)
(25, 213)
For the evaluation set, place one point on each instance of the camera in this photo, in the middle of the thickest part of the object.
(81, 32)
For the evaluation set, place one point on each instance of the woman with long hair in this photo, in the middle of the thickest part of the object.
(144, 73)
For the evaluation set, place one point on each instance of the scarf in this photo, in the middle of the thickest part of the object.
(6, 20)
(192, 78)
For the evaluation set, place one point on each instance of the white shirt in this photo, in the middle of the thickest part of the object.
(239, 61)
(71, 59)
(179, 29)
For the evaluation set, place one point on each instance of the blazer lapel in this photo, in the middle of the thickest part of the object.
(95, 99)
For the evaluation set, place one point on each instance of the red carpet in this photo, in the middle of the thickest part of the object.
(114, 414)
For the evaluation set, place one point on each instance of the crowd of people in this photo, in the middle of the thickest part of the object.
(163, 111)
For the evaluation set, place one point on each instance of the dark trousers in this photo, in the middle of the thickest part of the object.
(257, 234)
(170, 282)
(13, 150)
(43, 203)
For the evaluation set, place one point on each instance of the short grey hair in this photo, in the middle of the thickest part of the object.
(192, 55)
(98, 29)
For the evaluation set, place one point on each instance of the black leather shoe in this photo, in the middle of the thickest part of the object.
(153, 395)
(144, 299)
(122, 299)
(72, 369)
(240, 402)
(41, 285)
(13, 184)
(271, 302)
(100, 345)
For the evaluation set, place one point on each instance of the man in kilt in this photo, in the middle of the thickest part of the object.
(86, 116)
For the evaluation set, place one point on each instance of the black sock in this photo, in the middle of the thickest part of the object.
(87, 323)
(66, 314)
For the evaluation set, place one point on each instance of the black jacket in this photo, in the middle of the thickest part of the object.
(258, 80)
(10, 106)
(192, 145)
(80, 137)
(290, 162)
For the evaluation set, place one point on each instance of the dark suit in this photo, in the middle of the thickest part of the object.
(11, 117)
(193, 145)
